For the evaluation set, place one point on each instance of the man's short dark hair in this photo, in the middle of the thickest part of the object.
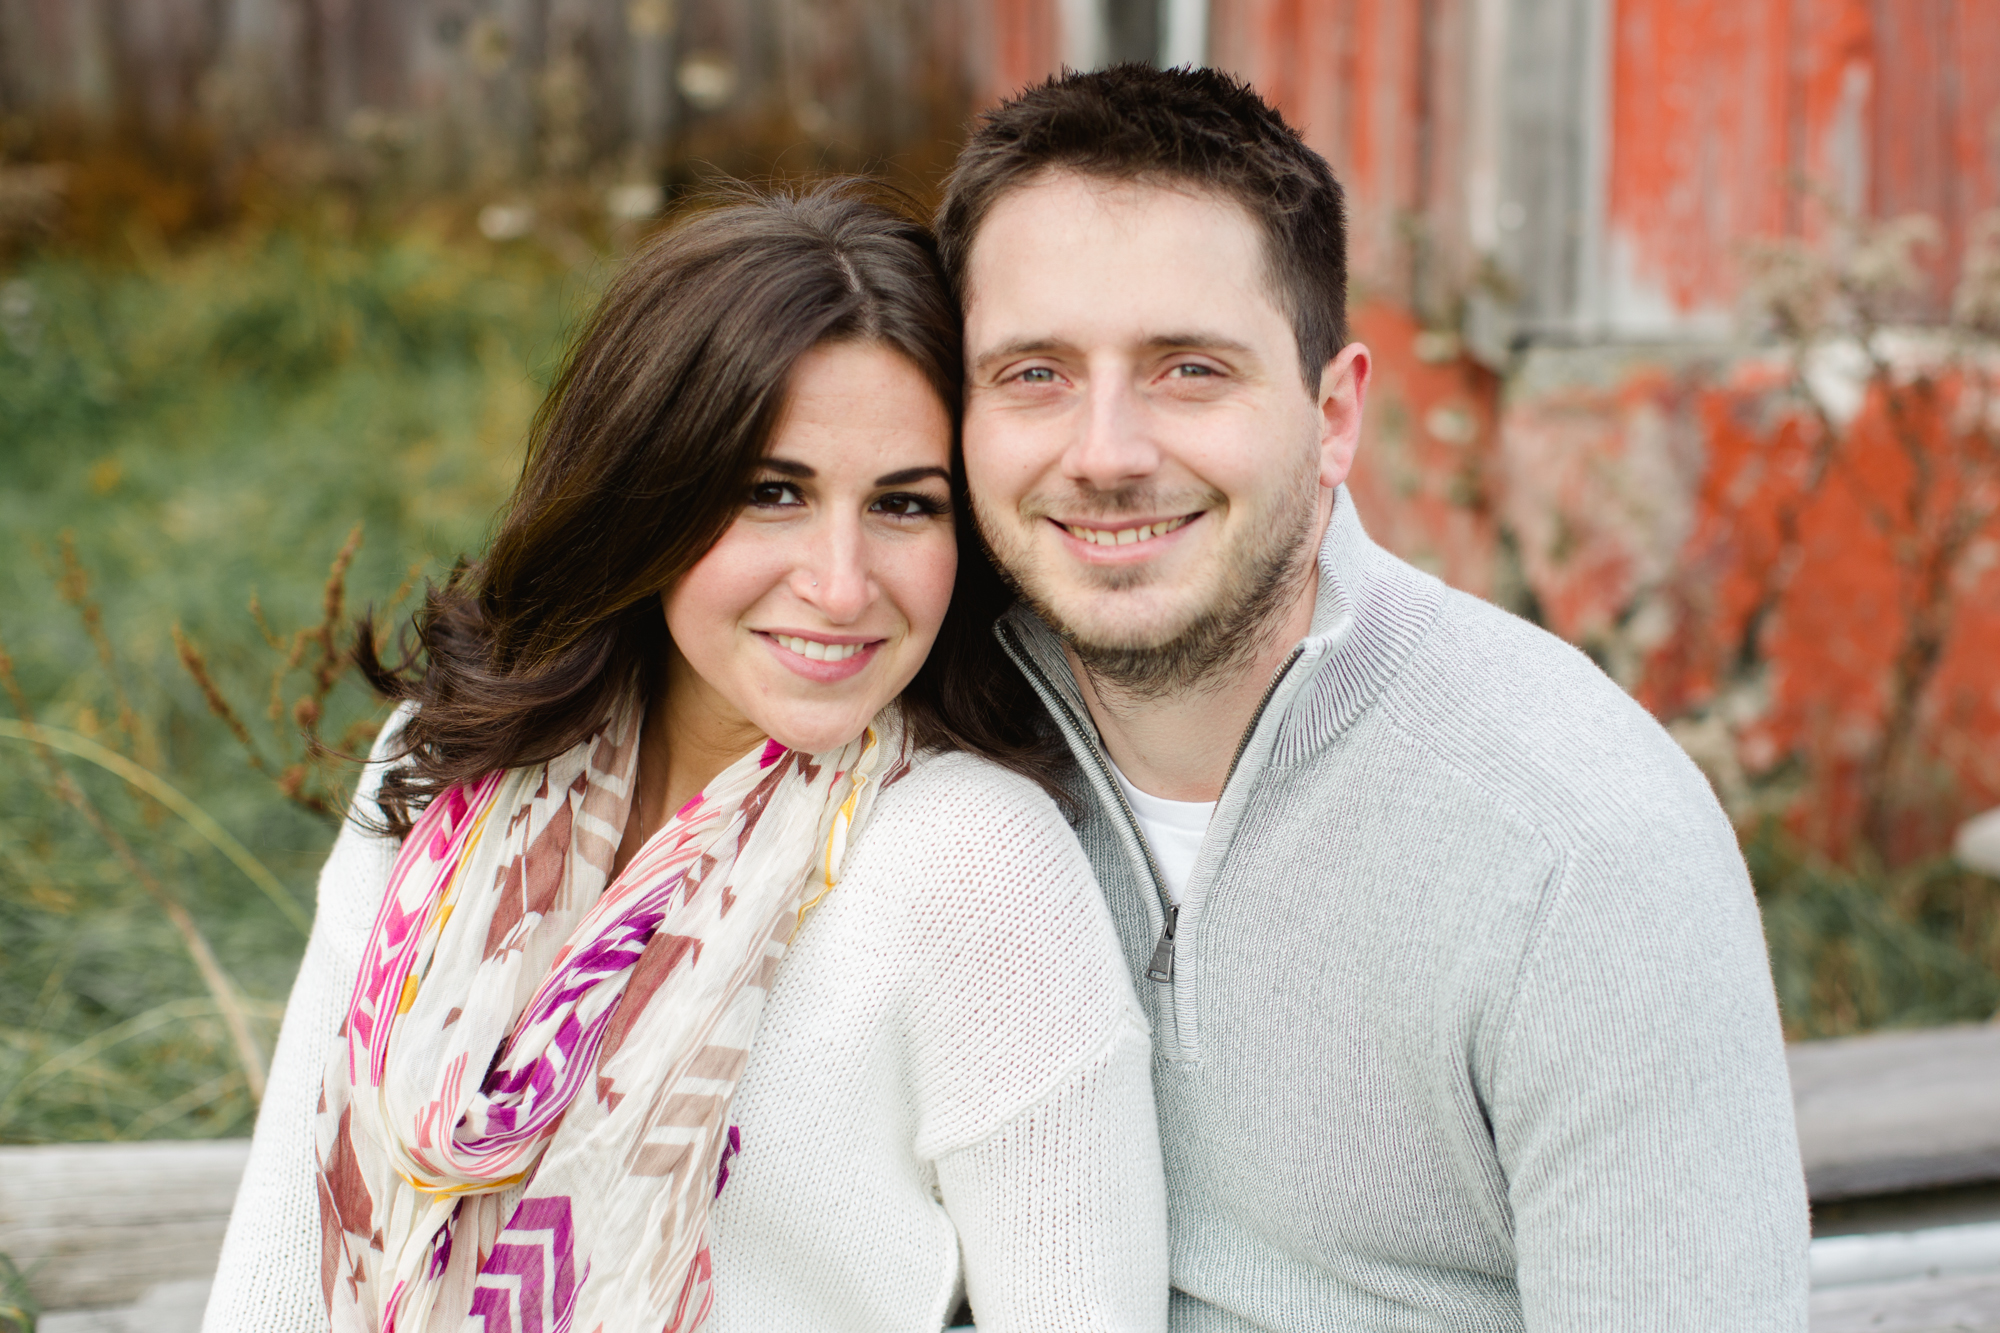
(1199, 127)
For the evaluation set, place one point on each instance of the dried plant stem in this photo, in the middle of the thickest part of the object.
(220, 988)
(197, 667)
(74, 586)
(335, 603)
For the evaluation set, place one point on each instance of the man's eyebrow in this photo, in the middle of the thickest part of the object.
(1198, 340)
(1020, 347)
(910, 474)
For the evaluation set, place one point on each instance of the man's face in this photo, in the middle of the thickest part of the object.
(1144, 455)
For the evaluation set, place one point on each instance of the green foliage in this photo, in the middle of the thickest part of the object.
(209, 427)
(18, 1308)
(1852, 951)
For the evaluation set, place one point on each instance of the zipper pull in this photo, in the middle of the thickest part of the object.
(1162, 966)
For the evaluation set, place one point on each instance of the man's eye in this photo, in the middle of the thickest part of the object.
(1192, 370)
(1038, 375)
(908, 504)
(774, 495)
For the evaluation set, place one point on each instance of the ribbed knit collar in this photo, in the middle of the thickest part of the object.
(1369, 612)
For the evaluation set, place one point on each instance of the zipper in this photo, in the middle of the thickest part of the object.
(1161, 968)
(1270, 690)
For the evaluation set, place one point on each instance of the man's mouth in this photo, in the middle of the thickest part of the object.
(1127, 536)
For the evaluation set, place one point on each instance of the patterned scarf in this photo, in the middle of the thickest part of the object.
(523, 1121)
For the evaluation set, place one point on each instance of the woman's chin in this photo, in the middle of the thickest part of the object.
(818, 735)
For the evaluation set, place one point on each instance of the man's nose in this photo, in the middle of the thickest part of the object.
(1113, 446)
(836, 578)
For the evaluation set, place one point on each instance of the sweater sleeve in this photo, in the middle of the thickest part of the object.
(1640, 1099)
(1061, 1213)
(268, 1279)
(1029, 1059)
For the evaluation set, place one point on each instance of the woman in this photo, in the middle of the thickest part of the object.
(709, 702)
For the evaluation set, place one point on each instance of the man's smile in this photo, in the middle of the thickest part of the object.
(1131, 534)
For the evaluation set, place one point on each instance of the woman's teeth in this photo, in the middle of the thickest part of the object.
(817, 651)
(1126, 536)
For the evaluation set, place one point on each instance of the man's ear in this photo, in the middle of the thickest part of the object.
(1343, 390)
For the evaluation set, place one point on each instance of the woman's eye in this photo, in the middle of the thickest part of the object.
(907, 504)
(774, 495)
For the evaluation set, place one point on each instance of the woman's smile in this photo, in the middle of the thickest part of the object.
(819, 657)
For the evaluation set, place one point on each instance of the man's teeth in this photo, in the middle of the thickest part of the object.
(1125, 536)
(817, 651)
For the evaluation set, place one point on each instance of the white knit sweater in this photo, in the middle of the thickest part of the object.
(950, 1094)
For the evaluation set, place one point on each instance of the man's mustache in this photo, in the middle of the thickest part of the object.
(1089, 502)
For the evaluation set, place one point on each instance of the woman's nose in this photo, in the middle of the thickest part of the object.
(836, 578)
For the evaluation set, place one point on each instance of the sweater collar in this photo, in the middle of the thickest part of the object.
(1369, 612)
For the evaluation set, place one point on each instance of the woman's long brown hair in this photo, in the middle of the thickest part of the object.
(639, 459)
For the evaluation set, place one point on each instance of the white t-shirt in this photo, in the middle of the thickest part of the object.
(1173, 829)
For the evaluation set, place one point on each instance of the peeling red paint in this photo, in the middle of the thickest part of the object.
(1733, 120)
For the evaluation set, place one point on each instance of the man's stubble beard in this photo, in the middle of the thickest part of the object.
(1234, 628)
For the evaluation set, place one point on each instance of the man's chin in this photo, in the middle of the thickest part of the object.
(1095, 628)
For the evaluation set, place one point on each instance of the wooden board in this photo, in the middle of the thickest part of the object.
(1898, 1111)
(1939, 1305)
(100, 1223)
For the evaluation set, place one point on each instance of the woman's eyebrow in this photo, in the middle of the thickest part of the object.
(910, 474)
(788, 467)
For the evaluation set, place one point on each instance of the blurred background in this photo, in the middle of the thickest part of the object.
(1687, 315)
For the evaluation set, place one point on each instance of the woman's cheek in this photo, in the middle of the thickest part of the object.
(932, 580)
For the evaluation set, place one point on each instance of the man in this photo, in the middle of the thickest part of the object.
(1461, 1012)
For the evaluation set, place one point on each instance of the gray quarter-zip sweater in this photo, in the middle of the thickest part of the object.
(1469, 1023)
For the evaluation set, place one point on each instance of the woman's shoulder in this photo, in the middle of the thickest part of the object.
(965, 795)
(958, 831)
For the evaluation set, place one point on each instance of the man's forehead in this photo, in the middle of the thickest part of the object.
(1135, 247)
(1072, 204)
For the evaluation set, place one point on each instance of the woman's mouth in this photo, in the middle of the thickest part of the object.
(814, 650)
(824, 661)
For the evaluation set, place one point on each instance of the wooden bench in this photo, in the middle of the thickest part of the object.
(101, 1224)
(1898, 1111)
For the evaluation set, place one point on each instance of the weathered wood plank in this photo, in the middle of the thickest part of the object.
(1940, 1305)
(1898, 1111)
(171, 1307)
(101, 1223)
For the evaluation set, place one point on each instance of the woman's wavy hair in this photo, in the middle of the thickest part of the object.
(637, 461)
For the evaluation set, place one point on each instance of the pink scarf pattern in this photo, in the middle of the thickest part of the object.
(525, 1116)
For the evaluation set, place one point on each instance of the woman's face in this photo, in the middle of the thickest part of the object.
(822, 599)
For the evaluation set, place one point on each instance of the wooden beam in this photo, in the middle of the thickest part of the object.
(1896, 1111)
(98, 1224)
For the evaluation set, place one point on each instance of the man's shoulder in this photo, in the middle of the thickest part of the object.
(1535, 723)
